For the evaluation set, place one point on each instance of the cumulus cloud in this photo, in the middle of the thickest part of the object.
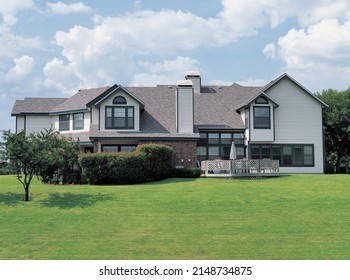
(23, 67)
(60, 77)
(166, 72)
(320, 51)
(118, 49)
(64, 9)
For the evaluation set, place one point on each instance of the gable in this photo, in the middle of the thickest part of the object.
(113, 92)
(286, 79)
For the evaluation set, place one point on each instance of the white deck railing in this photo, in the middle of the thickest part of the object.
(239, 167)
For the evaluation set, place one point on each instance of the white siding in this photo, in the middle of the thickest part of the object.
(20, 123)
(130, 102)
(185, 110)
(261, 135)
(94, 115)
(298, 120)
(37, 123)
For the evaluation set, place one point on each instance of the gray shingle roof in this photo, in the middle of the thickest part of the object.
(214, 107)
(79, 100)
(33, 105)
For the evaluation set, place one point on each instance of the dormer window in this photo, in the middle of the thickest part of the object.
(262, 118)
(119, 100)
(119, 117)
(261, 100)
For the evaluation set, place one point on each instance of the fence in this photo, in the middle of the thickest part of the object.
(240, 167)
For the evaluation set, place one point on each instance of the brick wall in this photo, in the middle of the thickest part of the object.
(184, 152)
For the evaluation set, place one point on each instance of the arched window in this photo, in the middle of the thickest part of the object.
(261, 100)
(119, 100)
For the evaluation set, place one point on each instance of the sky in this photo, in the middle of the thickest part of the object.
(52, 49)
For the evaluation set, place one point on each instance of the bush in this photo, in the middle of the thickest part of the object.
(4, 171)
(147, 163)
(186, 172)
(158, 164)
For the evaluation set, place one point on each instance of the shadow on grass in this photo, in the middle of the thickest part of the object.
(10, 199)
(69, 200)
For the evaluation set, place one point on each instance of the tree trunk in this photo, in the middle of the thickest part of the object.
(26, 193)
(337, 164)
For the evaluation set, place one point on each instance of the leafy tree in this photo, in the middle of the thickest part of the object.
(39, 154)
(337, 127)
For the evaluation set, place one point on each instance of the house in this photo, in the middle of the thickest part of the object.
(281, 120)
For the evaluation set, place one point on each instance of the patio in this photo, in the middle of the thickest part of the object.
(240, 168)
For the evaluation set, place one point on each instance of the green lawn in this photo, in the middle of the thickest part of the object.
(292, 217)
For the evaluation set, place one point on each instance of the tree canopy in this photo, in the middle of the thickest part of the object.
(337, 127)
(45, 154)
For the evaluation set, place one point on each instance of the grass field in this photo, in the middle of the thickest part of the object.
(292, 217)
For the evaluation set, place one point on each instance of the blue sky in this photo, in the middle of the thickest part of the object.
(50, 48)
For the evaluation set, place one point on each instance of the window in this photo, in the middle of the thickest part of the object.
(262, 118)
(213, 153)
(119, 118)
(118, 148)
(78, 121)
(215, 145)
(201, 153)
(213, 138)
(63, 122)
(226, 138)
(261, 100)
(287, 154)
(119, 100)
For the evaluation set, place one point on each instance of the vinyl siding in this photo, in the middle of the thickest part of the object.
(261, 135)
(37, 123)
(185, 110)
(20, 123)
(298, 120)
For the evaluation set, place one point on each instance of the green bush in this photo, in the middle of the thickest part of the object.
(147, 163)
(158, 164)
(4, 171)
(186, 172)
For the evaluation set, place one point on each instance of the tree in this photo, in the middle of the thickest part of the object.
(337, 127)
(35, 154)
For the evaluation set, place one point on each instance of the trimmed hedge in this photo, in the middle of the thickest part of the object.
(149, 162)
(186, 172)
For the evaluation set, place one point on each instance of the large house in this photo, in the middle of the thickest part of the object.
(281, 120)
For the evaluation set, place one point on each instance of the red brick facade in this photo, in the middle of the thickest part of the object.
(185, 152)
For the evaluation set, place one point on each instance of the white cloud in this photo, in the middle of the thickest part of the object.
(111, 51)
(138, 4)
(325, 42)
(60, 76)
(11, 44)
(270, 50)
(321, 51)
(23, 67)
(166, 72)
(252, 82)
(64, 9)
(9, 9)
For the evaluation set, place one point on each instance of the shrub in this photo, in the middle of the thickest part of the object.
(186, 172)
(158, 164)
(147, 163)
(4, 171)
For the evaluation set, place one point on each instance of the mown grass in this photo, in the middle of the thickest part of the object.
(292, 217)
